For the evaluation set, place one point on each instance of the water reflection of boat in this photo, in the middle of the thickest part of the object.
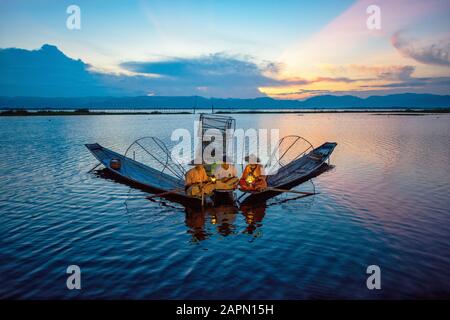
(226, 220)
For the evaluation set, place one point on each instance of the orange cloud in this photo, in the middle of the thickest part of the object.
(326, 61)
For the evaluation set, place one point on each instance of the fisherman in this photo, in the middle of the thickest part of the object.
(197, 182)
(253, 178)
(226, 176)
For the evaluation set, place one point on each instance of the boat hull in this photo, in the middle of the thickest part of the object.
(174, 197)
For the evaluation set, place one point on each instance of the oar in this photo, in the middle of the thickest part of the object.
(164, 193)
(292, 191)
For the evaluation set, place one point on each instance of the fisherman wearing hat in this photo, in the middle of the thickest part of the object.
(226, 176)
(253, 178)
(197, 182)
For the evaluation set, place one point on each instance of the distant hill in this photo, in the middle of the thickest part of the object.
(406, 100)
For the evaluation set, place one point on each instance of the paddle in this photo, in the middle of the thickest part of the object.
(164, 193)
(291, 191)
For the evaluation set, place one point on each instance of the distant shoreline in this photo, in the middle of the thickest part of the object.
(86, 112)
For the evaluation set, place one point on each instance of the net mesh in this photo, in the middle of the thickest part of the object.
(210, 125)
(154, 153)
(289, 149)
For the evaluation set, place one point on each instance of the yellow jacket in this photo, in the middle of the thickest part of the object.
(196, 176)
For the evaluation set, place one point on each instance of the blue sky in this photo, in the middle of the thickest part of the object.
(181, 28)
(292, 49)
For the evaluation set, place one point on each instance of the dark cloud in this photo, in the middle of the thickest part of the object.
(398, 73)
(218, 75)
(435, 54)
(335, 79)
(428, 82)
(301, 81)
(402, 77)
(218, 64)
(303, 91)
(48, 72)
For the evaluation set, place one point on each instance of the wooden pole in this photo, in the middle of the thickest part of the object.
(292, 191)
(164, 193)
(203, 195)
(203, 199)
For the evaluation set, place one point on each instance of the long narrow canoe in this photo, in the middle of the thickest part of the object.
(142, 176)
(294, 173)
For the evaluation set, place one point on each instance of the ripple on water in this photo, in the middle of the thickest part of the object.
(385, 202)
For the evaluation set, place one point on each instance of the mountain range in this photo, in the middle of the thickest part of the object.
(406, 100)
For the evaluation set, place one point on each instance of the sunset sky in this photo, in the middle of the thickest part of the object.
(282, 49)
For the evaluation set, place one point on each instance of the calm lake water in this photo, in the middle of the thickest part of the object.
(385, 202)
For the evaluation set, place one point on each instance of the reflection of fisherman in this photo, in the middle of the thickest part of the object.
(195, 221)
(226, 176)
(197, 182)
(254, 216)
(223, 217)
(253, 178)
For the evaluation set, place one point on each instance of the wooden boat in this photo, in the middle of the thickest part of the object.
(148, 179)
(165, 176)
(294, 173)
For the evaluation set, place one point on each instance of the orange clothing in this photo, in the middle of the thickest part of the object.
(197, 182)
(197, 189)
(257, 171)
(227, 183)
(259, 182)
(195, 175)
